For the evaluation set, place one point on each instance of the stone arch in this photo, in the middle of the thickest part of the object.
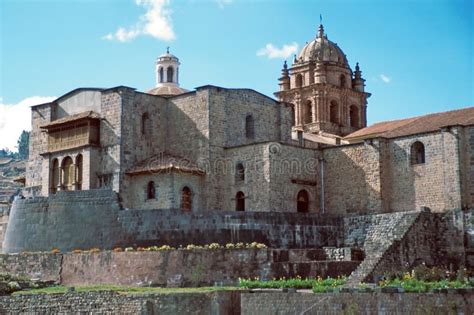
(249, 127)
(145, 124)
(186, 199)
(307, 112)
(354, 116)
(169, 74)
(55, 175)
(417, 153)
(68, 173)
(299, 80)
(239, 173)
(240, 201)
(334, 112)
(150, 190)
(302, 201)
(161, 74)
(342, 81)
(79, 170)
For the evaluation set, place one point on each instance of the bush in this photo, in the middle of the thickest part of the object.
(55, 251)
(318, 284)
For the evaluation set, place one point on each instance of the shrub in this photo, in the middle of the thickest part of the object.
(94, 250)
(55, 251)
(117, 249)
(129, 249)
(214, 246)
(77, 251)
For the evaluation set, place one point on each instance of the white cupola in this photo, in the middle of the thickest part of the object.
(167, 75)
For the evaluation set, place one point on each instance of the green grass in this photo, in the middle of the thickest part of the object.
(124, 289)
(297, 283)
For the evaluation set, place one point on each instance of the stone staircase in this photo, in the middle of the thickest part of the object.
(310, 263)
(380, 232)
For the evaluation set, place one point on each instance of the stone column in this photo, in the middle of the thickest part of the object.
(314, 109)
(60, 179)
(74, 177)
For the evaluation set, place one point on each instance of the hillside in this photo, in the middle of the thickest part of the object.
(9, 170)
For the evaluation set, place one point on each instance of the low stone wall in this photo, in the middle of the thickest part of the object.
(86, 219)
(216, 303)
(176, 267)
(357, 303)
(42, 266)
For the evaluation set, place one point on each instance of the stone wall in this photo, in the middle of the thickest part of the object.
(435, 184)
(215, 303)
(59, 221)
(352, 179)
(357, 303)
(198, 267)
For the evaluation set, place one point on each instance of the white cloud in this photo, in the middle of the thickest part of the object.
(274, 52)
(156, 22)
(14, 118)
(223, 3)
(385, 78)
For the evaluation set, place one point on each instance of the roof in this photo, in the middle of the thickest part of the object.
(415, 125)
(167, 91)
(165, 162)
(88, 115)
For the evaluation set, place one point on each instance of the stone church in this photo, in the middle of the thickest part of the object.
(235, 149)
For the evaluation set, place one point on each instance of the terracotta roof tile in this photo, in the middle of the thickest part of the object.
(84, 115)
(165, 162)
(415, 125)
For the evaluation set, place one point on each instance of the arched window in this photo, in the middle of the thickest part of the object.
(169, 74)
(334, 112)
(307, 112)
(79, 172)
(342, 80)
(299, 80)
(186, 201)
(239, 173)
(302, 201)
(417, 153)
(240, 201)
(249, 127)
(354, 116)
(145, 124)
(68, 173)
(150, 190)
(161, 74)
(54, 176)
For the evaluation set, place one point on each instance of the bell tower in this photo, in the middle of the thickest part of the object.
(167, 70)
(326, 95)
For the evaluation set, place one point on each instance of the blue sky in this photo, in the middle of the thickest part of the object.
(417, 56)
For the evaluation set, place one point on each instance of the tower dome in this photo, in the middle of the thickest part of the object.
(322, 49)
(167, 76)
(326, 96)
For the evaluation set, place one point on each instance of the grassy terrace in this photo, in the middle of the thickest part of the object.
(123, 289)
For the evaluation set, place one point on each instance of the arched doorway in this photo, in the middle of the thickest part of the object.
(68, 173)
(240, 201)
(54, 176)
(302, 201)
(186, 201)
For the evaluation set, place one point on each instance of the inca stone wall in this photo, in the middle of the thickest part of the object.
(357, 303)
(181, 268)
(60, 220)
(215, 303)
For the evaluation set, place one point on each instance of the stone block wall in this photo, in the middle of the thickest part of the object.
(42, 266)
(435, 184)
(93, 218)
(106, 302)
(357, 303)
(352, 179)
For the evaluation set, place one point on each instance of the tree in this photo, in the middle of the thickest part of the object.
(23, 145)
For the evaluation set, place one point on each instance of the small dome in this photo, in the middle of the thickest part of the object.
(322, 49)
(167, 90)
